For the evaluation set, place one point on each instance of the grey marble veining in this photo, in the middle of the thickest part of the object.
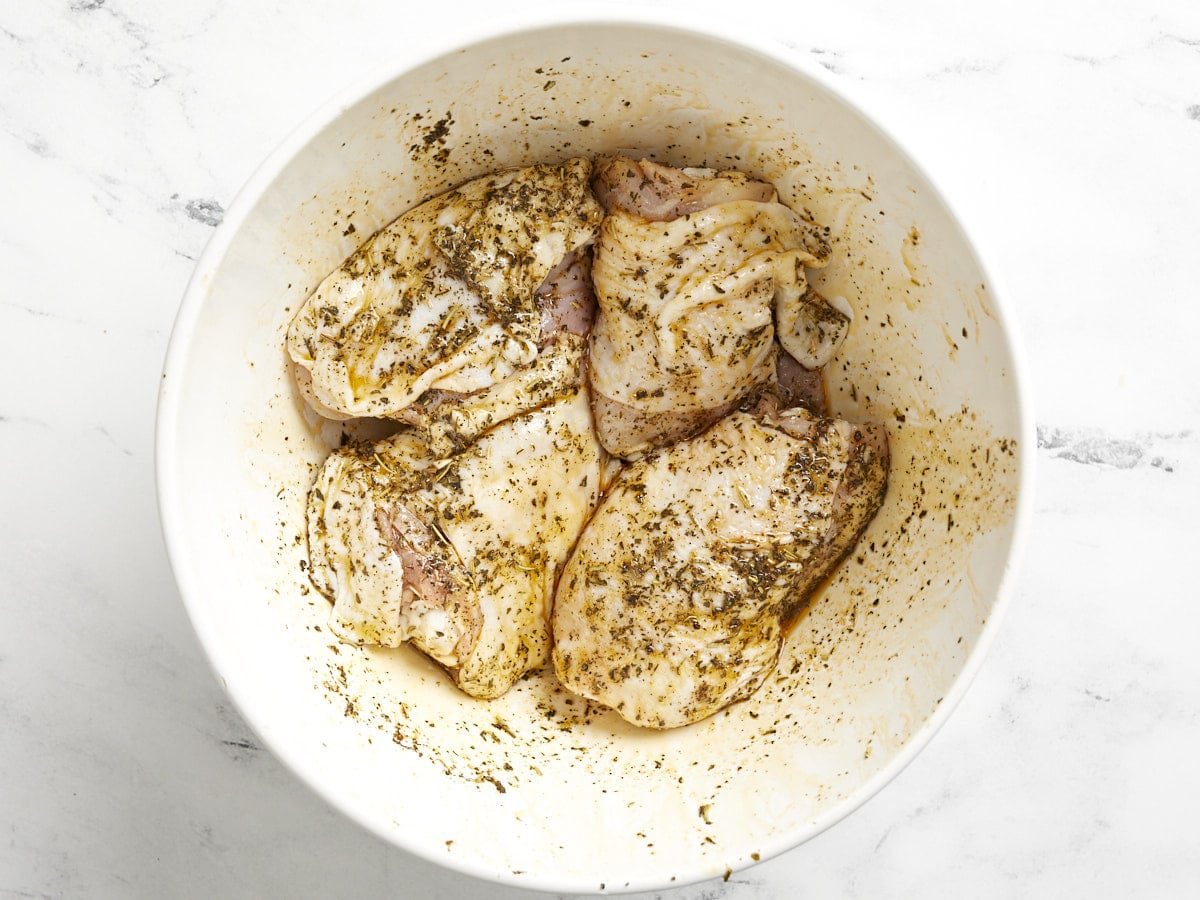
(1068, 136)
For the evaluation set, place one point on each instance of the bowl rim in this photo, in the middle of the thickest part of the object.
(704, 26)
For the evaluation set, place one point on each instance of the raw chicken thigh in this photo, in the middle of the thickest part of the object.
(452, 296)
(457, 555)
(671, 606)
(695, 273)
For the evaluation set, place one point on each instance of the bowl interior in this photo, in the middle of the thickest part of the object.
(537, 787)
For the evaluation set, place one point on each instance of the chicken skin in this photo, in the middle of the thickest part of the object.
(447, 297)
(458, 555)
(672, 604)
(696, 272)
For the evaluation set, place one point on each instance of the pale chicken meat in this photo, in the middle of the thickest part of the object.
(696, 273)
(798, 386)
(661, 193)
(457, 555)
(445, 298)
(566, 299)
(673, 602)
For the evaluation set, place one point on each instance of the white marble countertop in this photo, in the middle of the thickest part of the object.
(1069, 134)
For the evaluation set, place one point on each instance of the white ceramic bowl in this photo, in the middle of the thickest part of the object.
(536, 788)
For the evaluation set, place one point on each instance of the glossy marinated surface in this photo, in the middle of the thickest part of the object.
(693, 271)
(673, 603)
(458, 555)
(443, 298)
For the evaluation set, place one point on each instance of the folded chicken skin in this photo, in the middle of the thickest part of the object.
(452, 419)
(696, 272)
